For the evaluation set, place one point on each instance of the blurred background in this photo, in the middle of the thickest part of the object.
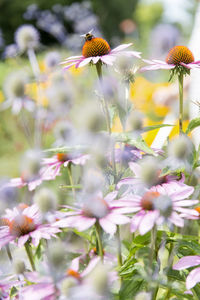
(153, 26)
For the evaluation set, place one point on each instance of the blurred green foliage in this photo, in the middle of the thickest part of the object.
(110, 13)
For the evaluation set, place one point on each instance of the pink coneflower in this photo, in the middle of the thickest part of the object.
(178, 56)
(187, 262)
(98, 50)
(105, 210)
(51, 166)
(23, 223)
(161, 204)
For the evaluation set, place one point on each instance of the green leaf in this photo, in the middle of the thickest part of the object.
(138, 142)
(112, 113)
(153, 127)
(130, 288)
(13, 292)
(193, 124)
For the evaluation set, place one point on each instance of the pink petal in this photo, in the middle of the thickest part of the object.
(187, 262)
(193, 278)
(22, 240)
(95, 59)
(176, 220)
(92, 264)
(117, 219)
(108, 59)
(121, 47)
(136, 220)
(111, 196)
(148, 221)
(85, 61)
(108, 226)
(182, 193)
(84, 223)
(135, 168)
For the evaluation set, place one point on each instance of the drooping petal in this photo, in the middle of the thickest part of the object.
(176, 219)
(107, 226)
(117, 218)
(121, 47)
(193, 278)
(135, 221)
(187, 262)
(148, 221)
(85, 62)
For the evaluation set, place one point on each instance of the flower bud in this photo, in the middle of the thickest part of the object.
(27, 37)
(30, 164)
(52, 59)
(135, 121)
(143, 296)
(45, 199)
(56, 254)
(99, 279)
(19, 267)
(180, 147)
(149, 170)
(59, 96)
(164, 205)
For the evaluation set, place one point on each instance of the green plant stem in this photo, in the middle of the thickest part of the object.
(69, 169)
(180, 81)
(9, 253)
(30, 255)
(119, 250)
(98, 235)
(107, 116)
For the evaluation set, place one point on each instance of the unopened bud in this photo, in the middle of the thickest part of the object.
(56, 254)
(30, 164)
(14, 85)
(52, 59)
(143, 296)
(149, 170)
(99, 279)
(135, 121)
(45, 199)
(67, 284)
(180, 147)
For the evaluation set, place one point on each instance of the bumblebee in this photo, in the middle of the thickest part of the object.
(88, 36)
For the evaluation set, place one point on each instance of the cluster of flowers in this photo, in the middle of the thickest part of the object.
(138, 189)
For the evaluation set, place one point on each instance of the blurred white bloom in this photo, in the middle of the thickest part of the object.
(46, 199)
(27, 37)
(14, 87)
(52, 59)
(30, 164)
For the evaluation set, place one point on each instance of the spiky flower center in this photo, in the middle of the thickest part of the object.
(21, 225)
(95, 47)
(147, 201)
(97, 209)
(62, 157)
(179, 54)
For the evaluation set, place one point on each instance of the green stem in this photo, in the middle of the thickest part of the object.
(30, 255)
(119, 250)
(69, 169)
(98, 235)
(180, 81)
(9, 253)
(107, 115)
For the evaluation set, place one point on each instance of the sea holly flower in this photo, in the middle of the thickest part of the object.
(96, 50)
(104, 210)
(160, 204)
(187, 262)
(52, 165)
(23, 224)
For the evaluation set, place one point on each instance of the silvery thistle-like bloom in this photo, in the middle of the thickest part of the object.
(23, 223)
(161, 204)
(14, 87)
(27, 37)
(105, 210)
(187, 262)
(97, 49)
(178, 56)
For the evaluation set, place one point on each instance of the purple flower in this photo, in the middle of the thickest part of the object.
(161, 204)
(51, 166)
(186, 262)
(178, 56)
(107, 211)
(98, 50)
(24, 223)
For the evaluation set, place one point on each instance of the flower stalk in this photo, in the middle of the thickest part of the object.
(69, 169)
(99, 241)
(180, 81)
(30, 255)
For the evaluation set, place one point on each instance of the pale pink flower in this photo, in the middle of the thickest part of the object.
(187, 262)
(98, 50)
(178, 56)
(51, 166)
(105, 210)
(161, 204)
(23, 223)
